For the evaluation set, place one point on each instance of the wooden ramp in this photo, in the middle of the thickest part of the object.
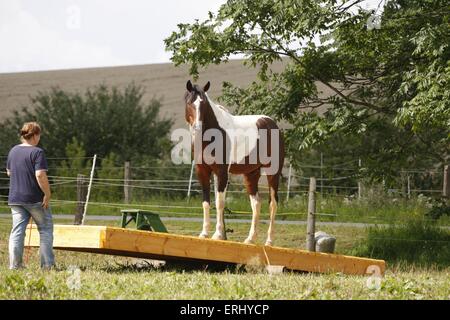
(166, 246)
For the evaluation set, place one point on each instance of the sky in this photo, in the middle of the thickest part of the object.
(65, 34)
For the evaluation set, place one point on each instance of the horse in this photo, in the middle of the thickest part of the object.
(202, 114)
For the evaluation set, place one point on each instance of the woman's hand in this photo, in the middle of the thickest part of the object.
(46, 201)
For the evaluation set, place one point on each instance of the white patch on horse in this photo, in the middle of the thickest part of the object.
(273, 211)
(197, 112)
(220, 205)
(241, 129)
(206, 219)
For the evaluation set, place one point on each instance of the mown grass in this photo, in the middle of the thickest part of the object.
(109, 277)
(109, 283)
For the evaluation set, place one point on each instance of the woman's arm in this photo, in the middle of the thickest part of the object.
(42, 179)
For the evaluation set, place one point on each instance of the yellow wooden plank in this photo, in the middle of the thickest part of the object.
(181, 246)
(235, 252)
(321, 262)
(118, 241)
(68, 236)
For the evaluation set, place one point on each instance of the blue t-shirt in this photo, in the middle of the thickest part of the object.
(23, 162)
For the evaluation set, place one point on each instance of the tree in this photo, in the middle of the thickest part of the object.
(387, 83)
(111, 176)
(75, 163)
(104, 120)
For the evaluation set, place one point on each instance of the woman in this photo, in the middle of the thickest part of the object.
(29, 196)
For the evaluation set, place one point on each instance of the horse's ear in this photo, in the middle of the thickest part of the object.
(206, 87)
(189, 86)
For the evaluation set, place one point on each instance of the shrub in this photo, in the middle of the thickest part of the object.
(438, 209)
(416, 242)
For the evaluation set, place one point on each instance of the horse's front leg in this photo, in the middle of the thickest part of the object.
(204, 176)
(220, 181)
(251, 183)
(255, 203)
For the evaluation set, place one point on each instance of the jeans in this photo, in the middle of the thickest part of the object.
(43, 218)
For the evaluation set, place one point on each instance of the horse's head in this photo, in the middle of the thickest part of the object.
(196, 104)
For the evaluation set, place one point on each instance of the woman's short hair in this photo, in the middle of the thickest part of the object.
(29, 130)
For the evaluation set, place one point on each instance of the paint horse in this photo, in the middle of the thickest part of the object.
(203, 114)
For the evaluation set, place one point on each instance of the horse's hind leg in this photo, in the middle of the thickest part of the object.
(221, 186)
(251, 183)
(273, 181)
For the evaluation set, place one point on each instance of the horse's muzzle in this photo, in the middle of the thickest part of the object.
(197, 126)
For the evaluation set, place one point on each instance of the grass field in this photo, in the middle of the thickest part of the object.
(89, 276)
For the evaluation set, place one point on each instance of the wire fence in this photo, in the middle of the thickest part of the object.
(144, 182)
(173, 180)
(110, 184)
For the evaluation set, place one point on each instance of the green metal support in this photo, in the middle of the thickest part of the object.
(145, 220)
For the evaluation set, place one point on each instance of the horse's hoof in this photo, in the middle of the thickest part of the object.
(218, 236)
(269, 243)
(203, 235)
(249, 241)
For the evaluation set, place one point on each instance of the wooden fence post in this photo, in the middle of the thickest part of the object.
(359, 182)
(81, 198)
(446, 184)
(409, 186)
(403, 188)
(289, 183)
(321, 173)
(311, 219)
(126, 185)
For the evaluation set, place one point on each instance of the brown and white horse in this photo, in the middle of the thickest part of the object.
(202, 115)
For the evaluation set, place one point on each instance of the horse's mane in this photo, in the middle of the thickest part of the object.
(189, 96)
(217, 105)
(223, 108)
